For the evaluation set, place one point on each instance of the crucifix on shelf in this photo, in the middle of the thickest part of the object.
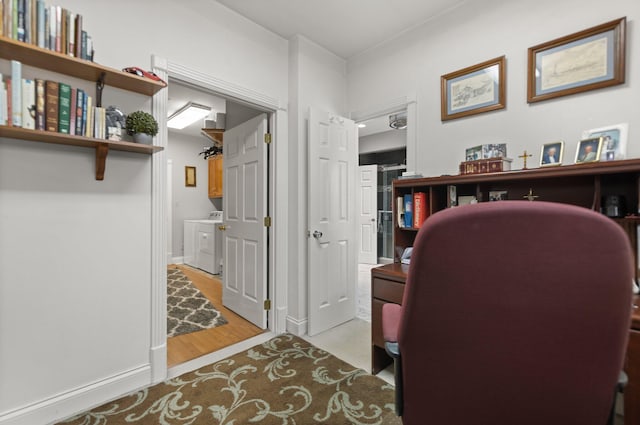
(530, 196)
(524, 156)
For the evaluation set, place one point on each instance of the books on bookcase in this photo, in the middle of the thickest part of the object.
(46, 26)
(420, 208)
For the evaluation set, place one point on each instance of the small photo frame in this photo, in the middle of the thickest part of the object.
(189, 176)
(586, 60)
(497, 195)
(474, 153)
(473, 90)
(614, 141)
(551, 154)
(588, 150)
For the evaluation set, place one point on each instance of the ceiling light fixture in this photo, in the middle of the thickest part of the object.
(187, 115)
(398, 121)
(362, 125)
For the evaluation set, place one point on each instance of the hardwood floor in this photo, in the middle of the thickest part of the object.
(186, 347)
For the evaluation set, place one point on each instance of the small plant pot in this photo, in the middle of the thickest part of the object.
(143, 138)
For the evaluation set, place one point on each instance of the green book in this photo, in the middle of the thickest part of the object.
(64, 109)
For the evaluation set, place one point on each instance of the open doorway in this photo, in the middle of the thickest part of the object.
(194, 239)
(382, 148)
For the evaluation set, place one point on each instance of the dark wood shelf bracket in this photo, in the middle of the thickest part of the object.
(101, 158)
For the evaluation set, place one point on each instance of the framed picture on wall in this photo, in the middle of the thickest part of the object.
(473, 90)
(614, 141)
(189, 176)
(586, 60)
(551, 154)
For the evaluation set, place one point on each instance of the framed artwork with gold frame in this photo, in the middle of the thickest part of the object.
(586, 60)
(473, 90)
(189, 176)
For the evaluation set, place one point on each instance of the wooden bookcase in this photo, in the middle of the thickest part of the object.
(584, 185)
(53, 61)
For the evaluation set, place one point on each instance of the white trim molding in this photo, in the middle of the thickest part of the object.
(69, 403)
(278, 188)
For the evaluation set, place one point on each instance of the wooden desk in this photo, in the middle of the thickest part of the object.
(632, 367)
(387, 285)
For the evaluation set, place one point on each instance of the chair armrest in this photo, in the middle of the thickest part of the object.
(390, 321)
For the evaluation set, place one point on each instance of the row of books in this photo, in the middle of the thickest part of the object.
(47, 105)
(412, 209)
(49, 27)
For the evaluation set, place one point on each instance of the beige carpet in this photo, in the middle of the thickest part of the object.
(285, 381)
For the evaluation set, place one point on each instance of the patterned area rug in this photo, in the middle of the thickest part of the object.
(285, 381)
(187, 309)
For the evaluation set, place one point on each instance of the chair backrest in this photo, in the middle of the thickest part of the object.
(515, 312)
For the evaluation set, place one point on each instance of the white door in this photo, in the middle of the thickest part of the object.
(367, 211)
(332, 244)
(244, 204)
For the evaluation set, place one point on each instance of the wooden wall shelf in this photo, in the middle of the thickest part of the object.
(102, 146)
(53, 61)
(49, 60)
(216, 135)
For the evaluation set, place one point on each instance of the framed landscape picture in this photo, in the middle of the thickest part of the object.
(473, 90)
(587, 60)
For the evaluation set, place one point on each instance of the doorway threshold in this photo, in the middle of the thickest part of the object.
(218, 355)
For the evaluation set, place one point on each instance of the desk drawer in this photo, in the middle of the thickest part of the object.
(387, 290)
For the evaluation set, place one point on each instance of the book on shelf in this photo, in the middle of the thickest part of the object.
(400, 210)
(408, 210)
(64, 108)
(72, 112)
(40, 100)
(16, 93)
(51, 105)
(79, 108)
(420, 208)
(28, 104)
(3, 102)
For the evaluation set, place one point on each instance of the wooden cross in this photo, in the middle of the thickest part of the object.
(525, 156)
(530, 196)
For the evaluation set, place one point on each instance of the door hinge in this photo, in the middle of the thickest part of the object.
(267, 221)
(267, 304)
(267, 138)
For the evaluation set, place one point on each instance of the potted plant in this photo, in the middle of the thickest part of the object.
(142, 126)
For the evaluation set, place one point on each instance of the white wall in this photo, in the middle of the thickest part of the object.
(483, 30)
(188, 202)
(317, 79)
(75, 272)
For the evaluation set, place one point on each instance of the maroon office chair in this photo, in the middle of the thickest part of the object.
(514, 312)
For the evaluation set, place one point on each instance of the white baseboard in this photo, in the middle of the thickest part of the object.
(158, 358)
(67, 404)
(177, 260)
(296, 327)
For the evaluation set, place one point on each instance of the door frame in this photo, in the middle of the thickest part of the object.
(408, 103)
(278, 201)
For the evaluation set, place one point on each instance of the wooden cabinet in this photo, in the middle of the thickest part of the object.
(215, 176)
(632, 367)
(52, 61)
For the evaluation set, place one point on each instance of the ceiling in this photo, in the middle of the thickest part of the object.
(345, 27)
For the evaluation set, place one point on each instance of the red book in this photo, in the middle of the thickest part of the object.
(420, 208)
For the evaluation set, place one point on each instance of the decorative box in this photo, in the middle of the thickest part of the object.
(492, 165)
